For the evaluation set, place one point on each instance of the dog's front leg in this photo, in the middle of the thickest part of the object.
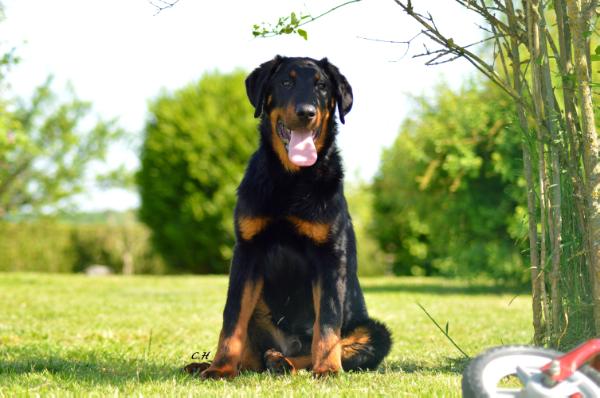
(245, 287)
(328, 296)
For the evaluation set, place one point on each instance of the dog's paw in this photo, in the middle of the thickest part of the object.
(219, 372)
(322, 371)
(195, 368)
(277, 363)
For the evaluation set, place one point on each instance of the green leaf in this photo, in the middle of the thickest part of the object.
(597, 50)
(447, 326)
(303, 33)
(595, 57)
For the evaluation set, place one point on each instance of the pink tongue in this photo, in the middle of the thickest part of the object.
(302, 151)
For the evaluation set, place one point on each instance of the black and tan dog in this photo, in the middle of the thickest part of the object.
(294, 301)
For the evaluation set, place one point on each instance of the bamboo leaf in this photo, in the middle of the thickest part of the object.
(303, 34)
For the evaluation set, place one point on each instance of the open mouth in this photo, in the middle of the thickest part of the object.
(299, 144)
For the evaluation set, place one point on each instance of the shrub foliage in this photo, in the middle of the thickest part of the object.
(197, 142)
(449, 196)
(48, 245)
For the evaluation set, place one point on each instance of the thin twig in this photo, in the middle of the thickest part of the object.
(407, 43)
(161, 5)
(311, 19)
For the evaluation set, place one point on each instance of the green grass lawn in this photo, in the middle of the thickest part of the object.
(122, 336)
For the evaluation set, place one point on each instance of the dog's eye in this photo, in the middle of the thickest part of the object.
(287, 83)
(322, 86)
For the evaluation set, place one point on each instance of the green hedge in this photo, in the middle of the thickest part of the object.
(53, 246)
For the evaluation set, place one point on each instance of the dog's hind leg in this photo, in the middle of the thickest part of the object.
(363, 346)
(262, 335)
(278, 363)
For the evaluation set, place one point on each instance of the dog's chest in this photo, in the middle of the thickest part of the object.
(288, 287)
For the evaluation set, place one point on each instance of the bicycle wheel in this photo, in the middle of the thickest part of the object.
(485, 375)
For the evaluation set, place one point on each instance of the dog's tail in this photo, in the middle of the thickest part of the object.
(365, 344)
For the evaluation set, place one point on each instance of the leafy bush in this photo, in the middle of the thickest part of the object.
(449, 196)
(371, 259)
(197, 143)
(50, 246)
(42, 245)
(125, 248)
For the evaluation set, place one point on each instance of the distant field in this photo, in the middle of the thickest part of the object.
(122, 336)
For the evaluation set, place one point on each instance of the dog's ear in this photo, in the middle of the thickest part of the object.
(342, 90)
(256, 83)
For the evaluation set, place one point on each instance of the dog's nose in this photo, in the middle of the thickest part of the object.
(306, 111)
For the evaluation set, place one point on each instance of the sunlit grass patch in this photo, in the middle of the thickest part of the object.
(74, 335)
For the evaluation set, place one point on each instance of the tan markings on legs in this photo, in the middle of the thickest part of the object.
(275, 360)
(279, 363)
(353, 343)
(262, 319)
(249, 227)
(302, 362)
(326, 348)
(318, 232)
(230, 349)
(251, 359)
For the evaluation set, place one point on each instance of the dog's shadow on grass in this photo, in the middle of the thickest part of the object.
(92, 370)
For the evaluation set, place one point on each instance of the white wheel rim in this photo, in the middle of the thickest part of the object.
(527, 366)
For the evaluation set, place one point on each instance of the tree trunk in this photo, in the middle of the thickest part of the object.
(551, 115)
(537, 278)
(565, 64)
(538, 106)
(579, 25)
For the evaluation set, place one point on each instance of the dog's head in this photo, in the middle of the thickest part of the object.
(298, 97)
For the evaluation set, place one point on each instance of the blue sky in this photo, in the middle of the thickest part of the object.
(118, 55)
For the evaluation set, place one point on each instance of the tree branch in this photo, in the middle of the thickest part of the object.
(434, 34)
(161, 5)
